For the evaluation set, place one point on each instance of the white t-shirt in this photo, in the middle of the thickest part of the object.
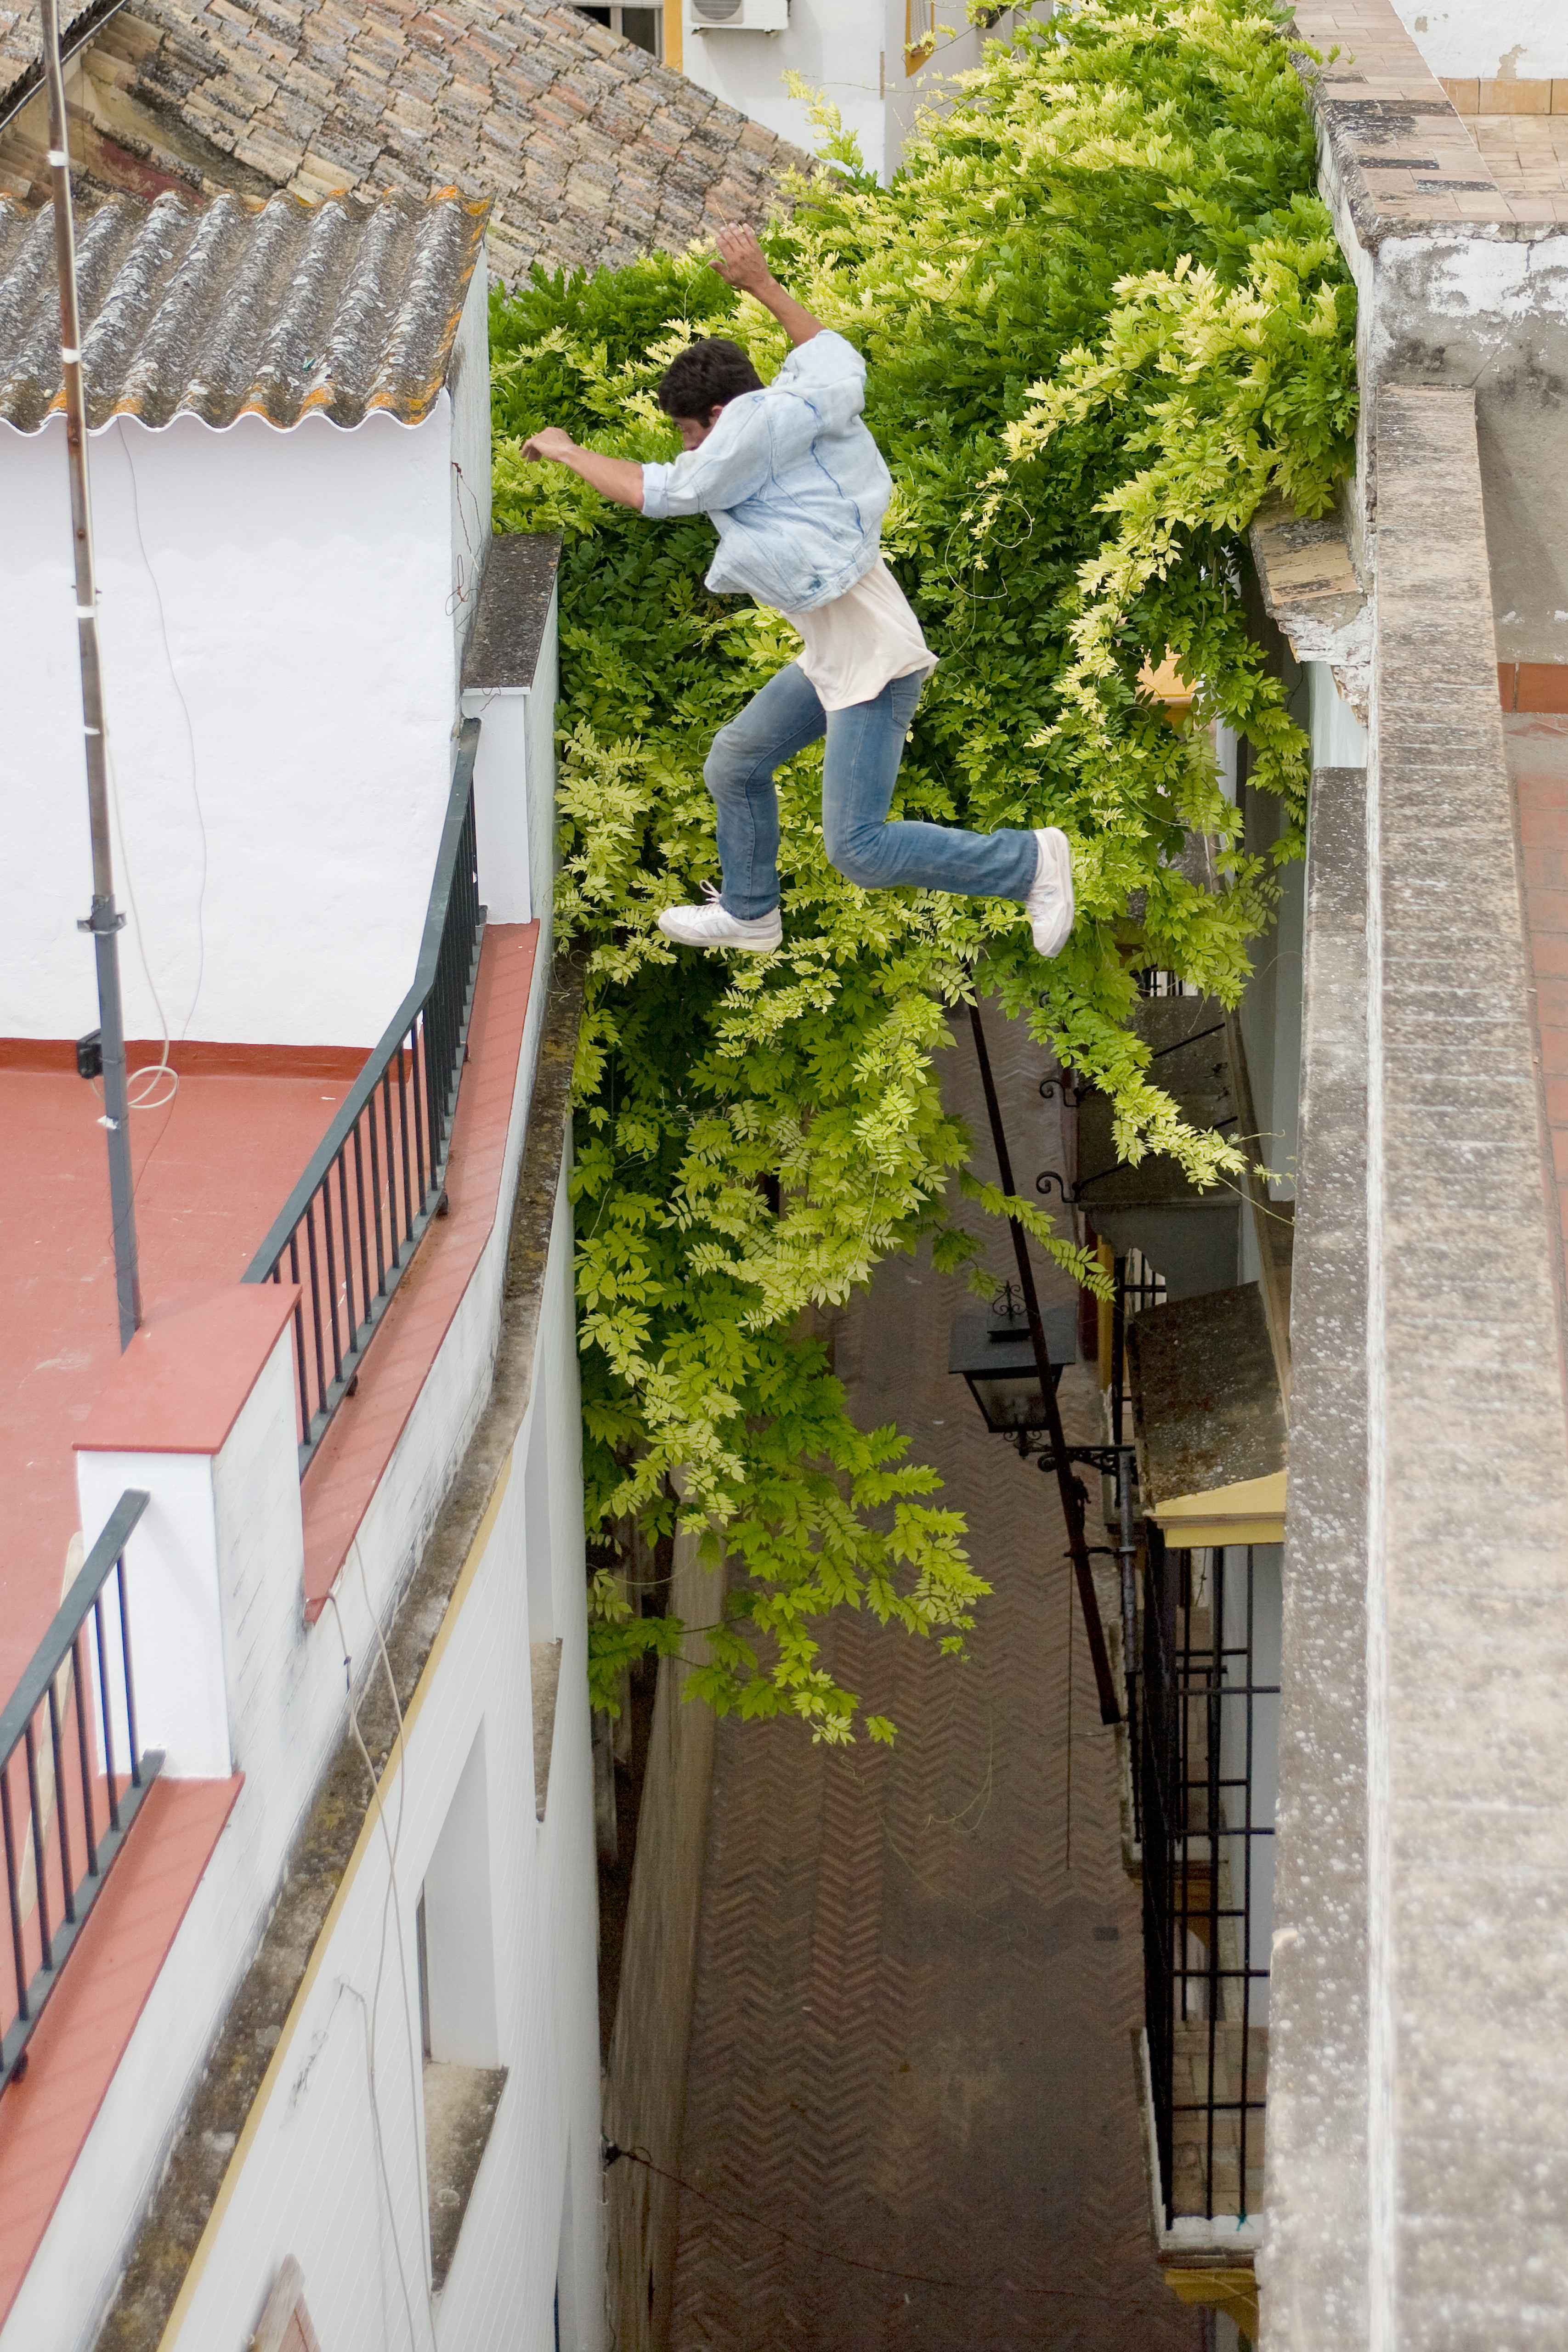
(857, 643)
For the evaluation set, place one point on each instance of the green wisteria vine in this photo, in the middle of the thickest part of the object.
(1104, 316)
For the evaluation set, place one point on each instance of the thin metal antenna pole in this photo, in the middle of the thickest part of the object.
(1067, 1486)
(103, 922)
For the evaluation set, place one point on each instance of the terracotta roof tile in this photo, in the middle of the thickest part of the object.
(20, 69)
(589, 148)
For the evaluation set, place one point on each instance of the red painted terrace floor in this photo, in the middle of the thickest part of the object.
(212, 1172)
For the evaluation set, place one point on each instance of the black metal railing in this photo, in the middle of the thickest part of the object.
(1154, 982)
(351, 1224)
(1138, 1286)
(1207, 1729)
(72, 1778)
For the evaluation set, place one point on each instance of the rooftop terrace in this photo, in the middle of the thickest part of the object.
(212, 1172)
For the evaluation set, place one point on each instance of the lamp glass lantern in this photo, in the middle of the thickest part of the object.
(991, 1347)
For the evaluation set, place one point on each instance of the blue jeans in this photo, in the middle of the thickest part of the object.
(859, 768)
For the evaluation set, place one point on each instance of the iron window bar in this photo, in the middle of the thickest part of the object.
(67, 1798)
(349, 1229)
(1137, 1286)
(1198, 1825)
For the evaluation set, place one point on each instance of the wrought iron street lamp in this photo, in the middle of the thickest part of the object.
(993, 1348)
(994, 1351)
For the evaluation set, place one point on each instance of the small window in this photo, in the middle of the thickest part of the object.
(920, 33)
(642, 26)
(454, 1944)
(285, 2323)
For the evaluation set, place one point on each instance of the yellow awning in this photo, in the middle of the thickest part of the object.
(1250, 1511)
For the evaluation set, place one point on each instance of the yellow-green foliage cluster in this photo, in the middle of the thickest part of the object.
(1104, 315)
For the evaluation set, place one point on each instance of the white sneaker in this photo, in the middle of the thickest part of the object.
(709, 926)
(1049, 905)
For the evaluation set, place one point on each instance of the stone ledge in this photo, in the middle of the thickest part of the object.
(1315, 2182)
(1393, 143)
(1313, 595)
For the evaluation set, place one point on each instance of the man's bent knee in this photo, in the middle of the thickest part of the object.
(732, 760)
(862, 857)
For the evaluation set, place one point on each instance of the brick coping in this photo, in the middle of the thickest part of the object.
(1394, 142)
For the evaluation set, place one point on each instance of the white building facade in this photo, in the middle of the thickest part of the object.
(323, 2066)
(878, 61)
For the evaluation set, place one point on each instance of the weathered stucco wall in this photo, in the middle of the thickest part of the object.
(1459, 284)
(1491, 317)
(1503, 40)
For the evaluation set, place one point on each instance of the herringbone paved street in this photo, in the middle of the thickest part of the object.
(919, 1973)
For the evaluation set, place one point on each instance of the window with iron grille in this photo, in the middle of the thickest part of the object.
(1209, 1741)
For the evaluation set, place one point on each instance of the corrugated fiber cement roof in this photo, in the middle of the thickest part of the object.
(232, 308)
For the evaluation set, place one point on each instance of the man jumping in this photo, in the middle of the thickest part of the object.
(797, 490)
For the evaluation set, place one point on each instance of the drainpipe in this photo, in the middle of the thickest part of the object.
(103, 923)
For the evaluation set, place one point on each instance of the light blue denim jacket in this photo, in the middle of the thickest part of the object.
(792, 480)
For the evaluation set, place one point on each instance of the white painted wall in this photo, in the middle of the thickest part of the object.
(468, 391)
(837, 45)
(1501, 40)
(514, 793)
(285, 1704)
(278, 623)
(218, 1547)
(1338, 739)
(311, 2133)
(459, 1922)
(310, 2180)
(852, 51)
(958, 51)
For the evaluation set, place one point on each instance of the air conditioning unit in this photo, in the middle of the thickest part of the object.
(738, 15)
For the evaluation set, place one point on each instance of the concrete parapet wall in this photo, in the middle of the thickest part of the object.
(1468, 1508)
(1418, 2134)
(1314, 2272)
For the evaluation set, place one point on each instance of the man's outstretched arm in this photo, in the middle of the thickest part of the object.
(742, 262)
(617, 477)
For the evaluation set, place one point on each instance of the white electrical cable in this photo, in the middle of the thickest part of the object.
(392, 1909)
(415, 2088)
(150, 1097)
(371, 2008)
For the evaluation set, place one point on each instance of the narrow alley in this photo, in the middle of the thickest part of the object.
(912, 2110)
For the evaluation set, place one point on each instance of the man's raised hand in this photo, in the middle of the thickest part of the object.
(739, 260)
(550, 443)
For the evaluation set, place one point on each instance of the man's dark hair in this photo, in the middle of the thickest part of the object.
(703, 377)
